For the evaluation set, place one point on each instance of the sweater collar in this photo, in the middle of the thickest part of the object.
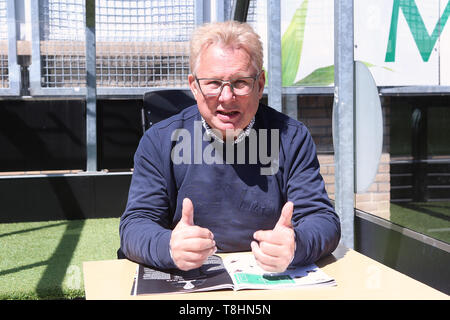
(244, 133)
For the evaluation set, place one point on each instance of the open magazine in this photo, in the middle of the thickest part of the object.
(235, 272)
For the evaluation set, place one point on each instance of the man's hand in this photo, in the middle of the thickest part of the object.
(190, 245)
(276, 248)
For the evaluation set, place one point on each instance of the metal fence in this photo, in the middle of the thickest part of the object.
(139, 44)
(142, 44)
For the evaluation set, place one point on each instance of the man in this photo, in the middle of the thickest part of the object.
(203, 179)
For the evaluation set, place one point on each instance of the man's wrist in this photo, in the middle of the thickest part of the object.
(295, 248)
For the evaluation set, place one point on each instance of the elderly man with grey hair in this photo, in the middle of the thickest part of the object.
(229, 173)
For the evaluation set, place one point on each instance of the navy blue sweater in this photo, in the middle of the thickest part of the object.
(232, 194)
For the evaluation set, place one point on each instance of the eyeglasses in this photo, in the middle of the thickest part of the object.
(212, 87)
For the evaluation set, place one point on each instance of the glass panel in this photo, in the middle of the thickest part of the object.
(404, 43)
(420, 165)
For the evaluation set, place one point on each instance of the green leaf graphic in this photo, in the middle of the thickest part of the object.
(291, 45)
(324, 76)
(321, 76)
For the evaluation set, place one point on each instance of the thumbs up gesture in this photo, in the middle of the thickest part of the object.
(190, 245)
(275, 249)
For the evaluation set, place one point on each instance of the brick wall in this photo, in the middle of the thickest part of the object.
(316, 113)
(376, 200)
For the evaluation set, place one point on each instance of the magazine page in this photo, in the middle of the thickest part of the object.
(246, 274)
(212, 275)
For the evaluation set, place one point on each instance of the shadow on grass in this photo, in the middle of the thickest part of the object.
(57, 268)
(32, 229)
(50, 285)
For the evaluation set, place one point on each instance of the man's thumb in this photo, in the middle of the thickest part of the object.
(187, 212)
(286, 215)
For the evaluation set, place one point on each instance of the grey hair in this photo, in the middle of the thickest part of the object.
(227, 34)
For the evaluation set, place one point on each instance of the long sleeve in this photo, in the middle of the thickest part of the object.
(315, 222)
(145, 225)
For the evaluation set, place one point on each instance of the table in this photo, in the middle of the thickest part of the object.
(357, 277)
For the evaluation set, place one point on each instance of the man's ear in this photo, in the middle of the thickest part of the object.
(193, 85)
(261, 83)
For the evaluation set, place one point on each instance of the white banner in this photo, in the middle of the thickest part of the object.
(403, 42)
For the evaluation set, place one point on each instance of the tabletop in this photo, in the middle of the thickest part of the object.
(357, 277)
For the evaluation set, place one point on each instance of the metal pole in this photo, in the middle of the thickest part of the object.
(35, 67)
(219, 10)
(343, 117)
(240, 10)
(290, 106)
(199, 12)
(227, 10)
(91, 88)
(274, 51)
(13, 67)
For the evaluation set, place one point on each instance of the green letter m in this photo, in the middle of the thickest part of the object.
(425, 43)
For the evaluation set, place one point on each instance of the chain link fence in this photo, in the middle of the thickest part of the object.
(139, 44)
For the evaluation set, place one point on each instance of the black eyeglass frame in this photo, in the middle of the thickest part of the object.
(224, 82)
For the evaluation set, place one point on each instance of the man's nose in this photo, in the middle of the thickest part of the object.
(227, 92)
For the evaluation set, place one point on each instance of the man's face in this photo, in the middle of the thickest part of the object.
(227, 111)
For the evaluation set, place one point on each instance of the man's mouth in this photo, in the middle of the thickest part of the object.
(229, 114)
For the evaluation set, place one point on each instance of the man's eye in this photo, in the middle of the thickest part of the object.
(214, 83)
(240, 83)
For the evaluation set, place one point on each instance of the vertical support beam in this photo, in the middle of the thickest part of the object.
(290, 106)
(227, 10)
(219, 8)
(274, 61)
(91, 88)
(343, 122)
(240, 10)
(35, 67)
(199, 12)
(13, 67)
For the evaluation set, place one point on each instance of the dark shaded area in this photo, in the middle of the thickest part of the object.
(419, 148)
(119, 127)
(42, 135)
(39, 135)
(63, 197)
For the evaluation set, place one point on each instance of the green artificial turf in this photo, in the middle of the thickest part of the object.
(429, 218)
(43, 260)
